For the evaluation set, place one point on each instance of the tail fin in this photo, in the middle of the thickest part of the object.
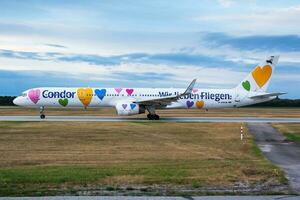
(258, 80)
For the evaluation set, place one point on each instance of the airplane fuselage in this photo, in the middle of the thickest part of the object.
(109, 97)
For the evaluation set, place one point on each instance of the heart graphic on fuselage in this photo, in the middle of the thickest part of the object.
(63, 102)
(132, 106)
(118, 90)
(85, 95)
(34, 95)
(246, 85)
(262, 75)
(100, 93)
(129, 91)
(189, 104)
(200, 104)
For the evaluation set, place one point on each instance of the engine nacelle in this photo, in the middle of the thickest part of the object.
(129, 108)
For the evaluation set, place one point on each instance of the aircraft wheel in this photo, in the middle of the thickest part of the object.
(150, 117)
(42, 116)
(153, 117)
(156, 117)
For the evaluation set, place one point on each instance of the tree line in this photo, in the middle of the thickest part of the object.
(279, 103)
(8, 101)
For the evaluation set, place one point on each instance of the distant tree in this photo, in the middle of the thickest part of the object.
(279, 103)
(6, 100)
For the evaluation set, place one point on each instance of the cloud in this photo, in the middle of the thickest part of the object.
(214, 67)
(131, 75)
(226, 3)
(287, 43)
(145, 76)
(266, 20)
(140, 69)
(21, 55)
(56, 46)
(178, 58)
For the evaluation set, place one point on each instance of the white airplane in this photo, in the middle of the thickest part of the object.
(131, 101)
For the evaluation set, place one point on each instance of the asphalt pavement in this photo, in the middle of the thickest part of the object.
(171, 119)
(281, 197)
(285, 154)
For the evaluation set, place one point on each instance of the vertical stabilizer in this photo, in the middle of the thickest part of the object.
(259, 78)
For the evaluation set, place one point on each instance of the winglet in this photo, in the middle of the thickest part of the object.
(189, 89)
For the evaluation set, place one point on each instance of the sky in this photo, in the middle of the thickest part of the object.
(127, 43)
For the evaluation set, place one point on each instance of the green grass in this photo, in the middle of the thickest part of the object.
(290, 130)
(293, 137)
(54, 180)
(52, 158)
(256, 150)
(62, 174)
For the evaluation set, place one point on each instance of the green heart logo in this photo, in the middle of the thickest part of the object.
(246, 85)
(63, 102)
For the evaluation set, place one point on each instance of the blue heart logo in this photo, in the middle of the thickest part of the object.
(100, 93)
(132, 106)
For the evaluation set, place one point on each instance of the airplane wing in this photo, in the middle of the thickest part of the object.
(266, 95)
(164, 101)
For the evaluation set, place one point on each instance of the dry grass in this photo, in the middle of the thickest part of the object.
(130, 153)
(59, 143)
(228, 112)
(290, 130)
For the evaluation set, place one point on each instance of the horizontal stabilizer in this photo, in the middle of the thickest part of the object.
(266, 95)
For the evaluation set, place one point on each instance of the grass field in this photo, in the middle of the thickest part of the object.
(291, 131)
(228, 112)
(38, 158)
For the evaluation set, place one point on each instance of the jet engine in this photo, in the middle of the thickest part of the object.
(129, 108)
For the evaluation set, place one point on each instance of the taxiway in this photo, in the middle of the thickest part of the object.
(170, 119)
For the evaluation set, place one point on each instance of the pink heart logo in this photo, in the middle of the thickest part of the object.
(118, 90)
(34, 95)
(129, 91)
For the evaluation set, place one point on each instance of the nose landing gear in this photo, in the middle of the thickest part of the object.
(42, 115)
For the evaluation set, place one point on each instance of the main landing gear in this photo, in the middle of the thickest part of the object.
(42, 115)
(153, 117)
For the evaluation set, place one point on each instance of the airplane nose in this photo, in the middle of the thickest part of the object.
(17, 101)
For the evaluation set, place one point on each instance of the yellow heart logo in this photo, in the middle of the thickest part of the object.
(85, 95)
(262, 75)
(200, 104)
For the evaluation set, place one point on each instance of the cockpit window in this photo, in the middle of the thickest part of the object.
(24, 94)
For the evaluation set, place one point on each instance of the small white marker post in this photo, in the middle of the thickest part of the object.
(242, 133)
